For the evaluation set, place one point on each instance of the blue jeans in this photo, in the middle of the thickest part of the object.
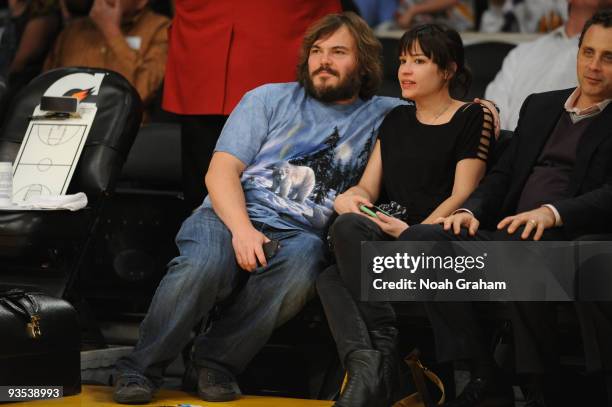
(206, 272)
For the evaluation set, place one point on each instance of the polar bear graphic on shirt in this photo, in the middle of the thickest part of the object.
(293, 182)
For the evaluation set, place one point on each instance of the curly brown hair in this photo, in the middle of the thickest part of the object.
(369, 49)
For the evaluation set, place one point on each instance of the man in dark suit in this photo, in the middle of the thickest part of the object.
(554, 182)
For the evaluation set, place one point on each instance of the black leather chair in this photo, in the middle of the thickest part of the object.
(136, 236)
(484, 59)
(390, 86)
(3, 95)
(43, 250)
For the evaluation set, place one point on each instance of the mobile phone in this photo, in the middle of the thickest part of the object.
(270, 248)
(372, 211)
(367, 211)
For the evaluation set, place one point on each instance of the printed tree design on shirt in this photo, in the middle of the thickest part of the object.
(331, 173)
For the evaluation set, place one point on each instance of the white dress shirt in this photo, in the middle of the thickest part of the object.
(548, 63)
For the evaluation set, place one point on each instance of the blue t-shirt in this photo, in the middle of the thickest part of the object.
(299, 153)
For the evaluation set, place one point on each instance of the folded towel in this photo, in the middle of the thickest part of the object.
(71, 202)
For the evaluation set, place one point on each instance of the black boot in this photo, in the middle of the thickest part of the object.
(384, 340)
(365, 387)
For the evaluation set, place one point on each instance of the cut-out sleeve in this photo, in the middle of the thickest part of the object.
(475, 138)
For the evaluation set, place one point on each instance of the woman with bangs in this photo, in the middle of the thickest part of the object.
(428, 158)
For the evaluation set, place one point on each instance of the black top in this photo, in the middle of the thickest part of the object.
(419, 160)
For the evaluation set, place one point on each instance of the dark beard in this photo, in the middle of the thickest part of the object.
(346, 89)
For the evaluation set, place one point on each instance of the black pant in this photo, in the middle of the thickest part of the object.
(458, 330)
(350, 319)
(596, 328)
(199, 135)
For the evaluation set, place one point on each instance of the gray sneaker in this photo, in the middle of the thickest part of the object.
(132, 389)
(214, 385)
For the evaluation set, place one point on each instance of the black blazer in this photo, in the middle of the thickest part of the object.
(589, 210)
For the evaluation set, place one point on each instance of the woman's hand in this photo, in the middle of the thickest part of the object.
(390, 225)
(346, 203)
(458, 220)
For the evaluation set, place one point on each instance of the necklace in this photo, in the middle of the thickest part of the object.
(441, 112)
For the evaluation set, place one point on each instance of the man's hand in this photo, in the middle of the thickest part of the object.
(248, 249)
(106, 15)
(404, 20)
(390, 225)
(491, 106)
(458, 220)
(537, 220)
(346, 203)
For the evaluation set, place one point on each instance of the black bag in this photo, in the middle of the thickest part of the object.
(39, 342)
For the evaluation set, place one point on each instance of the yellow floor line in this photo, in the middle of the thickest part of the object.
(101, 396)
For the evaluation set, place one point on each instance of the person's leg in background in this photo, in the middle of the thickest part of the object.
(204, 272)
(458, 331)
(596, 329)
(536, 348)
(535, 333)
(459, 334)
(199, 135)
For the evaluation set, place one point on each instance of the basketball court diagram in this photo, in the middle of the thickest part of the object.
(47, 160)
(51, 148)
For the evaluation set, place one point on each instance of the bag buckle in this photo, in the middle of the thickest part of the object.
(34, 327)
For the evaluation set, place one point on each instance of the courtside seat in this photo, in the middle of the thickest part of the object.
(44, 249)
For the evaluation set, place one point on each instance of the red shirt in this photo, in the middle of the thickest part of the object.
(220, 50)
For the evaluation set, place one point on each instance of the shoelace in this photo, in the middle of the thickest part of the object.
(132, 380)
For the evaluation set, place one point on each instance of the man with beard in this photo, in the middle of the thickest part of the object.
(218, 51)
(285, 152)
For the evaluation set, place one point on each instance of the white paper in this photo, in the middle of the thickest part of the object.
(49, 153)
(51, 149)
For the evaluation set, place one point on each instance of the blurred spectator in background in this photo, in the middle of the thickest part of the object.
(548, 63)
(524, 16)
(375, 12)
(457, 14)
(121, 35)
(218, 51)
(73, 9)
(29, 31)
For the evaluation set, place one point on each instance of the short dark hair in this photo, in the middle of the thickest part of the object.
(602, 17)
(369, 49)
(444, 47)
